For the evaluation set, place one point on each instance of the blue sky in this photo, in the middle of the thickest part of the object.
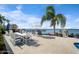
(29, 15)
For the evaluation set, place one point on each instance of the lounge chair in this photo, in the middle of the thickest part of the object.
(20, 38)
(19, 41)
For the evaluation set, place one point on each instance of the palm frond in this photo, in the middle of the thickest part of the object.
(62, 19)
(49, 15)
(50, 11)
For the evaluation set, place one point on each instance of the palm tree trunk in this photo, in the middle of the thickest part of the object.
(54, 29)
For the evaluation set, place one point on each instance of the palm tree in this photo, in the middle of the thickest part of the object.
(54, 18)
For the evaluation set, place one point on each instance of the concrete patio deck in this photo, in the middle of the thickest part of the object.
(56, 45)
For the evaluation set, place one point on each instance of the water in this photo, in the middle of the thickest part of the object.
(46, 31)
(74, 31)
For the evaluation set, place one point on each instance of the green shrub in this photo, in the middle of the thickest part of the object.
(2, 30)
(56, 34)
(71, 35)
(77, 35)
(1, 42)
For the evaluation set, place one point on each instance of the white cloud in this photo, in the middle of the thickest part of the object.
(2, 8)
(77, 20)
(76, 23)
(72, 23)
(21, 19)
(19, 7)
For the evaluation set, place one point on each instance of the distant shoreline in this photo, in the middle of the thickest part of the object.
(46, 31)
(56, 29)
